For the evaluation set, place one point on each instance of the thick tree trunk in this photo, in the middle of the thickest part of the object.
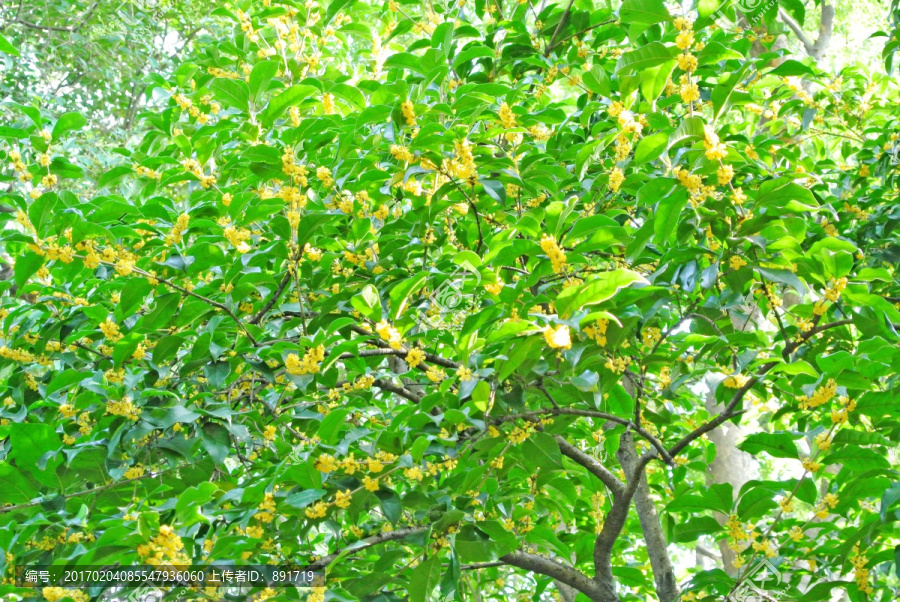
(663, 573)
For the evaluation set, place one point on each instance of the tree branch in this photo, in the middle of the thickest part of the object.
(729, 411)
(276, 294)
(816, 50)
(663, 574)
(656, 443)
(597, 469)
(67, 496)
(562, 573)
(368, 542)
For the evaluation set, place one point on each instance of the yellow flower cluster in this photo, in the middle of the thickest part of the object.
(328, 104)
(110, 330)
(554, 252)
(389, 334)
(266, 508)
(651, 335)
(825, 504)
(736, 381)
(165, 548)
(238, 237)
(135, 472)
(860, 572)
(435, 374)
(715, 150)
(765, 546)
(464, 373)
(833, 293)
(558, 338)
(52, 594)
(17, 355)
(616, 178)
(520, 433)
(401, 153)
(409, 112)
(415, 357)
(841, 416)
(462, 165)
(616, 364)
(507, 117)
(124, 407)
(308, 365)
(598, 331)
(821, 396)
(736, 262)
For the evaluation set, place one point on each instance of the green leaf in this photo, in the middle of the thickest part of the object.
(650, 147)
(28, 443)
(755, 503)
(367, 303)
(653, 80)
(41, 212)
(721, 94)
(857, 458)
(302, 499)
(690, 130)
(329, 429)
(64, 380)
(334, 7)
(601, 288)
(400, 294)
(777, 445)
(232, 92)
(163, 310)
(424, 579)
(695, 527)
(260, 78)
(597, 81)
(68, 122)
(705, 8)
(8, 48)
(471, 53)
(645, 57)
(216, 441)
(26, 266)
(646, 12)
(114, 174)
(216, 373)
(289, 98)
(541, 450)
(666, 217)
(349, 94)
(790, 197)
(390, 504)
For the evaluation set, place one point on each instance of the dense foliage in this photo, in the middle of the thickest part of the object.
(444, 300)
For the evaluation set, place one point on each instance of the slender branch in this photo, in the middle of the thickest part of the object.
(480, 565)
(368, 542)
(67, 496)
(798, 31)
(72, 29)
(559, 25)
(581, 33)
(276, 294)
(730, 409)
(531, 416)
(387, 385)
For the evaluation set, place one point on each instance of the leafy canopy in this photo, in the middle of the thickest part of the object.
(418, 295)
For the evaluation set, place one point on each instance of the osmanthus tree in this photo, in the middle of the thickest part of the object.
(443, 300)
